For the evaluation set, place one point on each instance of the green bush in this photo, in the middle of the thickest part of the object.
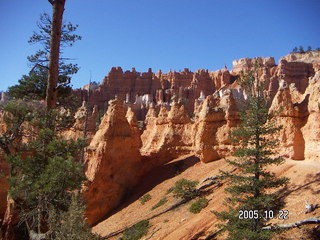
(184, 189)
(160, 203)
(197, 206)
(137, 231)
(145, 198)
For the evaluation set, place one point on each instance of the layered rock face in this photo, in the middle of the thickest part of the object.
(113, 162)
(168, 135)
(311, 129)
(84, 125)
(160, 87)
(291, 116)
(139, 90)
(216, 117)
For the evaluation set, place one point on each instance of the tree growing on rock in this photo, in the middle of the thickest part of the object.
(252, 189)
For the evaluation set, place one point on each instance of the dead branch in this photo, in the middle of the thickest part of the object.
(38, 65)
(310, 207)
(152, 234)
(212, 182)
(295, 224)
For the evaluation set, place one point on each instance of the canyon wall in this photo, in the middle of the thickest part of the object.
(153, 118)
(187, 113)
(139, 90)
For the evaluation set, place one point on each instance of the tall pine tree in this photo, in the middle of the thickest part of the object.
(34, 84)
(252, 189)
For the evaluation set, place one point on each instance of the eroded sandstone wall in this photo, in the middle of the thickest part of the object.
(113, 162)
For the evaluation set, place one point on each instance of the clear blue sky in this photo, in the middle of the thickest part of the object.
(160, 34)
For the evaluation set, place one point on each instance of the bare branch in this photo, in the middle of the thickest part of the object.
(295, 224)
(51, 1)
(38, 65)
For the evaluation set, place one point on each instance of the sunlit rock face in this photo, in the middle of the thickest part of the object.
(214, 121)
(311, 127)
(168, 135)
(291, 117)
(113, 162)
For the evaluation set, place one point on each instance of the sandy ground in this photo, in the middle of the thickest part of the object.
(181, 224)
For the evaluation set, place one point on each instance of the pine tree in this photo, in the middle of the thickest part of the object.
(69, 224)
(252, 188)
(295, 50)
(34, 84)
(44, 171)
(301, 50)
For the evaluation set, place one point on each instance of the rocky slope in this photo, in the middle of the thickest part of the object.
(181, 224)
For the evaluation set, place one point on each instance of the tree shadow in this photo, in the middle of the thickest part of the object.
(307, 186)
(152, 179)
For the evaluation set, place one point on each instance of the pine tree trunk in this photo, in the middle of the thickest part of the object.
(51, 93)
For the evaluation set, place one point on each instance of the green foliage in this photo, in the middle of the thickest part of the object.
(253, 187)
(184, 189)
(16, 112)
(44, 171)
(33, 85)
(69, 224)
(301, 49)
(295, 50)
(160, 203)
(137, 231)
(198, 205)
(145, 198)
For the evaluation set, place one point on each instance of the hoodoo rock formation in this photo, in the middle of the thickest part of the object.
(216, 117)
(84, 125)
(167, 136)
(311, 129)
(153, 118)
(113, 162)
(291, 116)
(169, 132)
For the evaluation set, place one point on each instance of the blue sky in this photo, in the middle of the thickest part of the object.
(160, 34)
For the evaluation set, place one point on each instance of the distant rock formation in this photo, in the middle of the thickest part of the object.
(139, 90)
